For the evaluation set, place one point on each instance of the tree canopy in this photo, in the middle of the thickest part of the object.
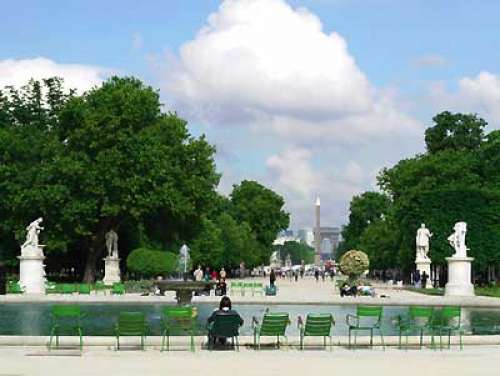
(457, 179)
(111, 159)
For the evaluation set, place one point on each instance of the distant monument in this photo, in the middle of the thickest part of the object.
(422, 260)
(317, 234)
(112, 261)
(31, 266)
(459, 265)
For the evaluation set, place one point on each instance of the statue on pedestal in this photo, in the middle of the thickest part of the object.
(31, 247)
(457, 239)
(112, 244)
(423, 241)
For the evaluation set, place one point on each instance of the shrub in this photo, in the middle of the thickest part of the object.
(149, 263)
(354, 263)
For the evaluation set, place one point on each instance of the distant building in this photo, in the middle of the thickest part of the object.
(306, 235)
(329, 242)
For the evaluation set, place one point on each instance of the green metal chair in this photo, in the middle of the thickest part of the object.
(316, 325)
(14, 287)
(118, 289)
(100, 286)
(367, 318)
(247, 288)
(258, 288)
(226, 326)
(131, 324)
(273, 325)
(84, 288)
(50, 288)
(69, 288)
(236, 287)
(448, 320)
(177, 320)
(419, 319)
(66, 318)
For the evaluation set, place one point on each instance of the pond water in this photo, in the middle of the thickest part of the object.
(34, 319)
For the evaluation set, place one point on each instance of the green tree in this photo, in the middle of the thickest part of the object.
(454, 131)
(263, 210)
(106, 159)
(297, 251)
(364, 209)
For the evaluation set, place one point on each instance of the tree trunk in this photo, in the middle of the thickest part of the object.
(90, 266)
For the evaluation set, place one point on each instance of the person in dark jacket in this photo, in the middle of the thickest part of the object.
(225, 309)
(272, 278)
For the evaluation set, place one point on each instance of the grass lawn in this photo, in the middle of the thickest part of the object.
(480, 291)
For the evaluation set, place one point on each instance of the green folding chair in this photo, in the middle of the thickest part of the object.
(247, 287)
(448, 320)
(66, 318)
(236, 287)
(226, 326)
(177, 320)
(418, 319)
(316, 325)
(367, 318)
(69, 288)
(84, 288)
(100, 286)
(273, 325)
(131, 324)
(258, 288)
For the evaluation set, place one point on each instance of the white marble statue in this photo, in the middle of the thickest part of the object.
(457, 239)
(423, 241)
(112, 243)
(33, 230)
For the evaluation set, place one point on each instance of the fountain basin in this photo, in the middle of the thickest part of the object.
(184, 289)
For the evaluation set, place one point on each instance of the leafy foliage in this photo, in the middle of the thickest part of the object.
(353, 263)
(297, 251)
(150, 262)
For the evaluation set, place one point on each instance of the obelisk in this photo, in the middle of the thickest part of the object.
(317, 235)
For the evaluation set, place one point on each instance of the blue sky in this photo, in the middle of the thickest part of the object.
(408, 60)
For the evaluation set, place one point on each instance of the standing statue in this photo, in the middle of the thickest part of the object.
(112, 243)
(423, 241)
(33, 230)
(457, 239)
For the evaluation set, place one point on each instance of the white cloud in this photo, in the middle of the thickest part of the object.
(17, 72)
(480, 94)
(265, 64)
(294, 175)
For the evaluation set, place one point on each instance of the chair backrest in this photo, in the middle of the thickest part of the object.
(318, 324)
(68, 288)
(451, 316)
(420, 312)
(66, 310)
(248, 285)
(131, 323)
(236, 284)
(178, 317)
(369, 311)
(274, 324)
(258, 285)
(226, 326)
(84, 288)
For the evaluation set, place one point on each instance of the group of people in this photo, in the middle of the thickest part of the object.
(420, 279)
(207, 275)
(356, 290)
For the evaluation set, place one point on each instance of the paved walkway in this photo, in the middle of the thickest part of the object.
(472, 361)
(306, 291)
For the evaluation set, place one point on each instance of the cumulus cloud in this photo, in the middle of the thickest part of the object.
(295, 176)
(18, 72)
(480, 94)
(265, 64)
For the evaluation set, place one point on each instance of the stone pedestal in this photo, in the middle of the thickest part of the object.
(459, 277)
(32, 274)
(111, 270)
(424, 265)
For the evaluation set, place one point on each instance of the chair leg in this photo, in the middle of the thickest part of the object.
(449, 339)
(371, 338)
(382, 338)
(421, 338)
(324, 342)
(355, 337)
(349, 338)
(301, 342)
(461, 343)
(168, 341)
(399, 340)
(192, 342)
(81, 339)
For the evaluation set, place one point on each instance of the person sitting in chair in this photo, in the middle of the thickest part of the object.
(225, 309)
